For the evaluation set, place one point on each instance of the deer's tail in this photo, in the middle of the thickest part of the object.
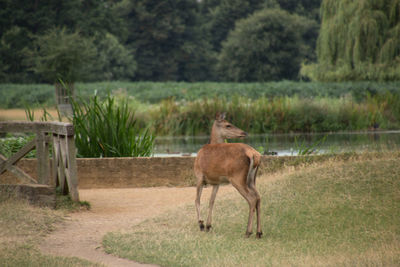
(253, 167)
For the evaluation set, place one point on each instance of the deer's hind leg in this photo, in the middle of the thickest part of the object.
(211, 206)
(251, 196)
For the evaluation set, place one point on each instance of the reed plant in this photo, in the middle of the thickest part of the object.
(276, 115)
(107, 129)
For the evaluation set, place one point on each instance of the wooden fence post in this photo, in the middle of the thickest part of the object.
(42, 155)
(64, 167)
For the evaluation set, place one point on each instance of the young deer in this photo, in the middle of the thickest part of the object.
(219, 162)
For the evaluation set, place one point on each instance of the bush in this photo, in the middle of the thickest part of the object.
(11, 145)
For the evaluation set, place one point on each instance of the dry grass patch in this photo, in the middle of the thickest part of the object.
(21, 227)
(327, 214)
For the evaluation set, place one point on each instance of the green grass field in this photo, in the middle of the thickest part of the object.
(336, 213)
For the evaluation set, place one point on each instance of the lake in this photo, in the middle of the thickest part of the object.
(289, 144)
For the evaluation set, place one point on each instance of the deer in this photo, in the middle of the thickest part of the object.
(236, 163)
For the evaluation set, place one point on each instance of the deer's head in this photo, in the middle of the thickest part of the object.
(222, 129)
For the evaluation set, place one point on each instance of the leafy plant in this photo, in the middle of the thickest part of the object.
(12, 144)
(105, 129)
(304, 150)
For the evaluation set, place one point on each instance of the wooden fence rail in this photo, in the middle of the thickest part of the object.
(62, 171)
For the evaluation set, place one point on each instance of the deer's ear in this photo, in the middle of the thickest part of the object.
(220, 116)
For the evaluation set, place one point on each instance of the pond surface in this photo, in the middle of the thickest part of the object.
(289, 144)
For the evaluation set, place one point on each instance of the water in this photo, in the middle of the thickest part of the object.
(285, 144)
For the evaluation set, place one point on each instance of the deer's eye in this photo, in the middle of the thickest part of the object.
(228, 126)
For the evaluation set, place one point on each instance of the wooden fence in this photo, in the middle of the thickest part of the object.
(55, 138)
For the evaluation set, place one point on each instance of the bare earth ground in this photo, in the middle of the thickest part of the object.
(20, 115)
(115, 209)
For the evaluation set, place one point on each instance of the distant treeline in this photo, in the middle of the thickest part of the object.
(192, 40)
(147, 40)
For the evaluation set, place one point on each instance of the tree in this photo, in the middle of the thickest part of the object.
(12, 43)
(163, 36)
(269, 45)
(60, 55)
(219, 17)
(307, 8)
(21, 21)
(113, 61)
(358, 40)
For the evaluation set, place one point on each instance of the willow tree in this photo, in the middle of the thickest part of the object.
(358, 40)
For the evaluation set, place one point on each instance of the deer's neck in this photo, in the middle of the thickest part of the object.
(215, 138)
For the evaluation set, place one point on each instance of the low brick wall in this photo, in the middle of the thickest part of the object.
(146, 172)
(135, 172)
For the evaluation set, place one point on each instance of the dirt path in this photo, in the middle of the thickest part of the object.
(114, 209)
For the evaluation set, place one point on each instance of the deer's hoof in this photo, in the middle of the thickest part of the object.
(248, 234)
(208, 228)
(259, 234)
(201, 224)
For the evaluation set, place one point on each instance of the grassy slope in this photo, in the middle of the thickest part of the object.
(21, 228)
(330, 214)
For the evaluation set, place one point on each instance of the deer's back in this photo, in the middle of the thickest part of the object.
(218, 161)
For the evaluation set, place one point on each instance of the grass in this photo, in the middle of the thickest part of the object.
(37, 95)
(328, 214)
(22, 226)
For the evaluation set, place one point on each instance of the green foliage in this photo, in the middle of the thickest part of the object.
(277, 115)
(12, 42)
(38, 95)
(359, 40)
(164, 38)
(11, 145)
(105, 129)
(113, 60)
(307, 8)
(268, 45)
(21, 21)
(59, 54)
(220, 16)
(189, 108)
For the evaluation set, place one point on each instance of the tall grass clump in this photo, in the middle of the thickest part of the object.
(107, 129)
